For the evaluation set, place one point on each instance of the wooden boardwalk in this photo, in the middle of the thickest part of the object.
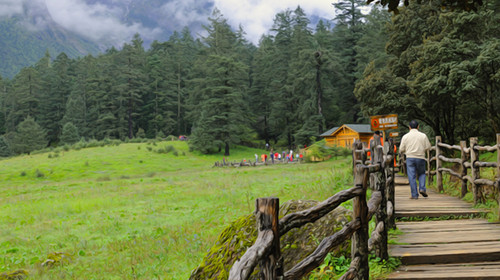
(443, 249)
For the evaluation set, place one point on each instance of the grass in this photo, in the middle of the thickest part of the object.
(137, 210)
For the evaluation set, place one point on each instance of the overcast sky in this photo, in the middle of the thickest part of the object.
(101, 22)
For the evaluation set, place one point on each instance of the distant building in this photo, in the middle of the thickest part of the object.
(345, 135)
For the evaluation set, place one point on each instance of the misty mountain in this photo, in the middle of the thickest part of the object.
(30, 28)
(21, 45)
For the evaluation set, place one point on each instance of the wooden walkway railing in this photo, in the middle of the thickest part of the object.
(377, 174)
(469, 160)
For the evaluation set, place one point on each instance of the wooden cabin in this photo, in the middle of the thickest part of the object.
(345, 135)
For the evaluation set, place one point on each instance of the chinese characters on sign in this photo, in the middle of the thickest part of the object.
(384, 122)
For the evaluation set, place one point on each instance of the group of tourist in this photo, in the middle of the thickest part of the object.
(273, 156)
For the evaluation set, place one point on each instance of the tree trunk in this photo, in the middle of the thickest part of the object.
(226, 149)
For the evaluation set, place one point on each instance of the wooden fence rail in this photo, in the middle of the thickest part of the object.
(376, 174)
(469, 160)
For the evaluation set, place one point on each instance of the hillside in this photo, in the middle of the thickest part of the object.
(21, 46)
(128, 212)
(26, 36)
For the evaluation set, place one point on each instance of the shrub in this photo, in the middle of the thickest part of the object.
(319, 151)
(167, 149)
(39, 174)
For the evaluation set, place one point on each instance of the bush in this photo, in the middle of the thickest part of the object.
(319, 151)
(39, 174)
(166, 150)
(140, 133)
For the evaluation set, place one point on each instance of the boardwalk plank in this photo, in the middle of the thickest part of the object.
(443, 249)
(434, 206)
(462, 271)
(446, 253)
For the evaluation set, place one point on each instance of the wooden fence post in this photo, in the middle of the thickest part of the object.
(391, 221)
(359, 243)
(498, 172)
(475, 170)
(439, 174)
(498, 156)
(381, 215)
(463, 173)
(429, 169)
(268, 218)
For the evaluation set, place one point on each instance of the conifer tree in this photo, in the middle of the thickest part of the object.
(77, 107)
(260, 98)
(3, 109)
(56, 87)
(159, 102)
(5, 150)
(184, 54)
(318, 70)
(281, 119)
(131, 84)
(105, 103)
(348, 31)
(219, 101)
(29, 136)
(69, 134)
(24, 98)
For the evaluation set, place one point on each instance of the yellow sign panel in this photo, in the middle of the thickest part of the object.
(384, 122)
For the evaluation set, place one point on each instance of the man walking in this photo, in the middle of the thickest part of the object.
(414, 145)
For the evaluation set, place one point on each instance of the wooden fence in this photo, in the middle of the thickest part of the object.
(377, 174)
(469, 159)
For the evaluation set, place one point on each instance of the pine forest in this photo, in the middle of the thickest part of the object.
(438, 65)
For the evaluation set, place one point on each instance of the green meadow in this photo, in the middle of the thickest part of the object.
(130, 212)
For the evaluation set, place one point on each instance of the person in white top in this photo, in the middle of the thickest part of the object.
(414, 145)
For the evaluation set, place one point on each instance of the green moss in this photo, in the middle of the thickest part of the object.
(297, 244)
(19, 274)
(56, 258)
(231, 244)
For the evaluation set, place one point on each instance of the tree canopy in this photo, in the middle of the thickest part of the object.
(465, 5)
(438, 73)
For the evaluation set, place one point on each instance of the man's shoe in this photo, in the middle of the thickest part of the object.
(424, 194)
(413, 197)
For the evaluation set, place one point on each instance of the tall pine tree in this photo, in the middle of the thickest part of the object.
(219, 90)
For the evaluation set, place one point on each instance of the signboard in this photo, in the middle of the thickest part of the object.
(393, 134)
(384, 122)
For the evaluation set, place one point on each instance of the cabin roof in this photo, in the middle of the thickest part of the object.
(359, 128)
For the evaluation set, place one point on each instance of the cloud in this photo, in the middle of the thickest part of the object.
(184, 12)
(96, 21)
(257, 16)
(180, 13)
(10, 7)
(105, 23)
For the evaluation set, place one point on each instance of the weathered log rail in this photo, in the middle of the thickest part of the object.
(376, 174)
(470, 166)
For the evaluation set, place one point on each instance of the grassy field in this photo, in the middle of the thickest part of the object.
(129, 212)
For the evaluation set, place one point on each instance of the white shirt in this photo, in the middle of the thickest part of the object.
(414, 144)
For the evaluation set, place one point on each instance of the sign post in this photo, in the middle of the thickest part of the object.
(384, 122)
